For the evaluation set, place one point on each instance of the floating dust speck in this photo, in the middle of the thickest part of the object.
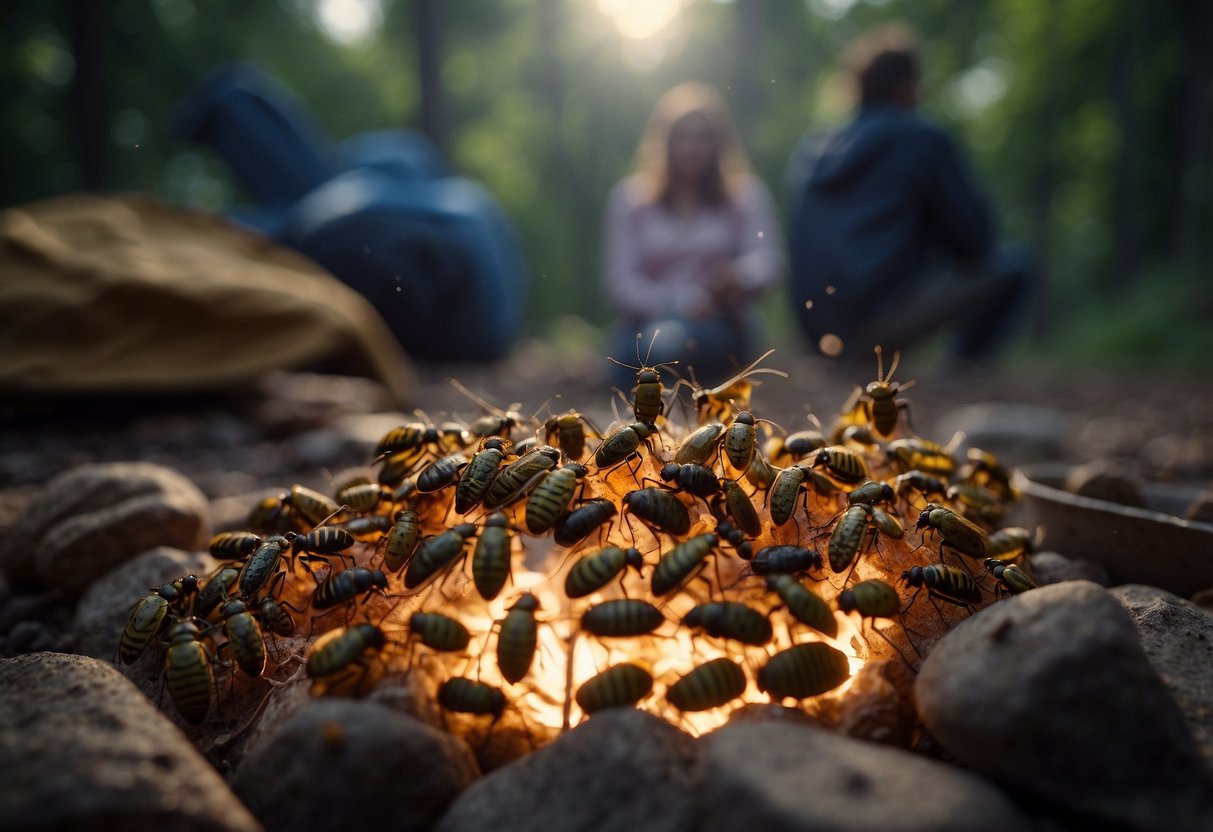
(830, 345)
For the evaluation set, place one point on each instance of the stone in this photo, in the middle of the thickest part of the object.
(91, 518)
(621, 770)
(789, 776)
(1049, 694)
(105, 607)
(1054, 568)
(1107, 481)
(81, 748)
(345, 764)
(1177, 637)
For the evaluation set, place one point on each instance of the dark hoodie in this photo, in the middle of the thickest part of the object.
(871, 204)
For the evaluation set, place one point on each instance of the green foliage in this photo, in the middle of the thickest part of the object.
(1071, 113)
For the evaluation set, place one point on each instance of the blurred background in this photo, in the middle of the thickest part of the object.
(1088, 123)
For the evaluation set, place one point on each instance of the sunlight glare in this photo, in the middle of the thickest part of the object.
(640, 19)
(346, 21)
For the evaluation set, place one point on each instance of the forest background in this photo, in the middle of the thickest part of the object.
(1087, 121)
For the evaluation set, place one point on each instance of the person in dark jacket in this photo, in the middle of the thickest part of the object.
(890, 239)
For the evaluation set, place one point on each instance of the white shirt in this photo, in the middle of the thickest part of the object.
(659, 264)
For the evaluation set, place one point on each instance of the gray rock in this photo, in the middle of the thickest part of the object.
(621, 770)
(789, 776)
(344, 764)
(1177, 637)
(1016, 433)
(92, 518)
(1050, 695)
(81, 748)
(1054, 568)
(105, 607)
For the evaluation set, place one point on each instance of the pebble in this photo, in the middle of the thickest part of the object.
(1054, 568)
(1177, 637)
(622, 770)
(89, 519)
(1050, 695)
(789, 776)
(105, 607)
(343, 764)
(81, 748)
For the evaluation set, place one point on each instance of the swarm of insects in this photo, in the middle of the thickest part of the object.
(554, 570)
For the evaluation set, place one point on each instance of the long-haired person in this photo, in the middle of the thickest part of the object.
(690, 241)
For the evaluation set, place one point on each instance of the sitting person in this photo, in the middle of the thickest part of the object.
(690, 241)
(890, 239)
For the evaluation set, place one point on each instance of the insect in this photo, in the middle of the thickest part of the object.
(519, 476)
(619, 686)
(276, 619)
(804, 604)
(551, 497)
(491, 558)
(418, 436)
(439, 632)
(784, 560)
(437, 553)
(361, 496)
(647, 402)
(216, 588)
(594, 571)
(340, 653)
(872, 598)
(244, 638)
(846, 539)
(368, 529)
(947, 583)
(1010, 543)
(915, 453)
(320, 543)
(494, 422)
(348, 584)
(740, 440)
(621, 618)
(803, 670)
(467, 696)
(233, 545)
(478, 474)
(977, 503)
(660, 509)
(692, 478)
(785, 492)
(735, 504)
(983, 468)
(731, 620)
(1011, 579)
(880, 397)
(187, 672)
(915, 480)
(273, 514)
(579, 523)
(736, 538)
(708, 686)
(872, 493)
(955, 532)
(151, 616)
(623, 444)
(717, 402)
(841, 465)
(441, 473)
(568, 433)
(681, 563)
(402, 539)
(761, 474)
(517, 639)
(795, 446)
(700, 445)
(312, 505)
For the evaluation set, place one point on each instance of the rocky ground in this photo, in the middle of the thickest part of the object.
(1109, 725)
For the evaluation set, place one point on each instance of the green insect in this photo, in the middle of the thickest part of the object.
(803, 670)
(806, 606)
(244, 638)
(439, 632)
(731, 620)
(518, 639)
(595, 570)
(681, 563)
(492, 557)
(622, 618)
(152, 614)
(620, 686)
(188, 674)
(708, 686)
